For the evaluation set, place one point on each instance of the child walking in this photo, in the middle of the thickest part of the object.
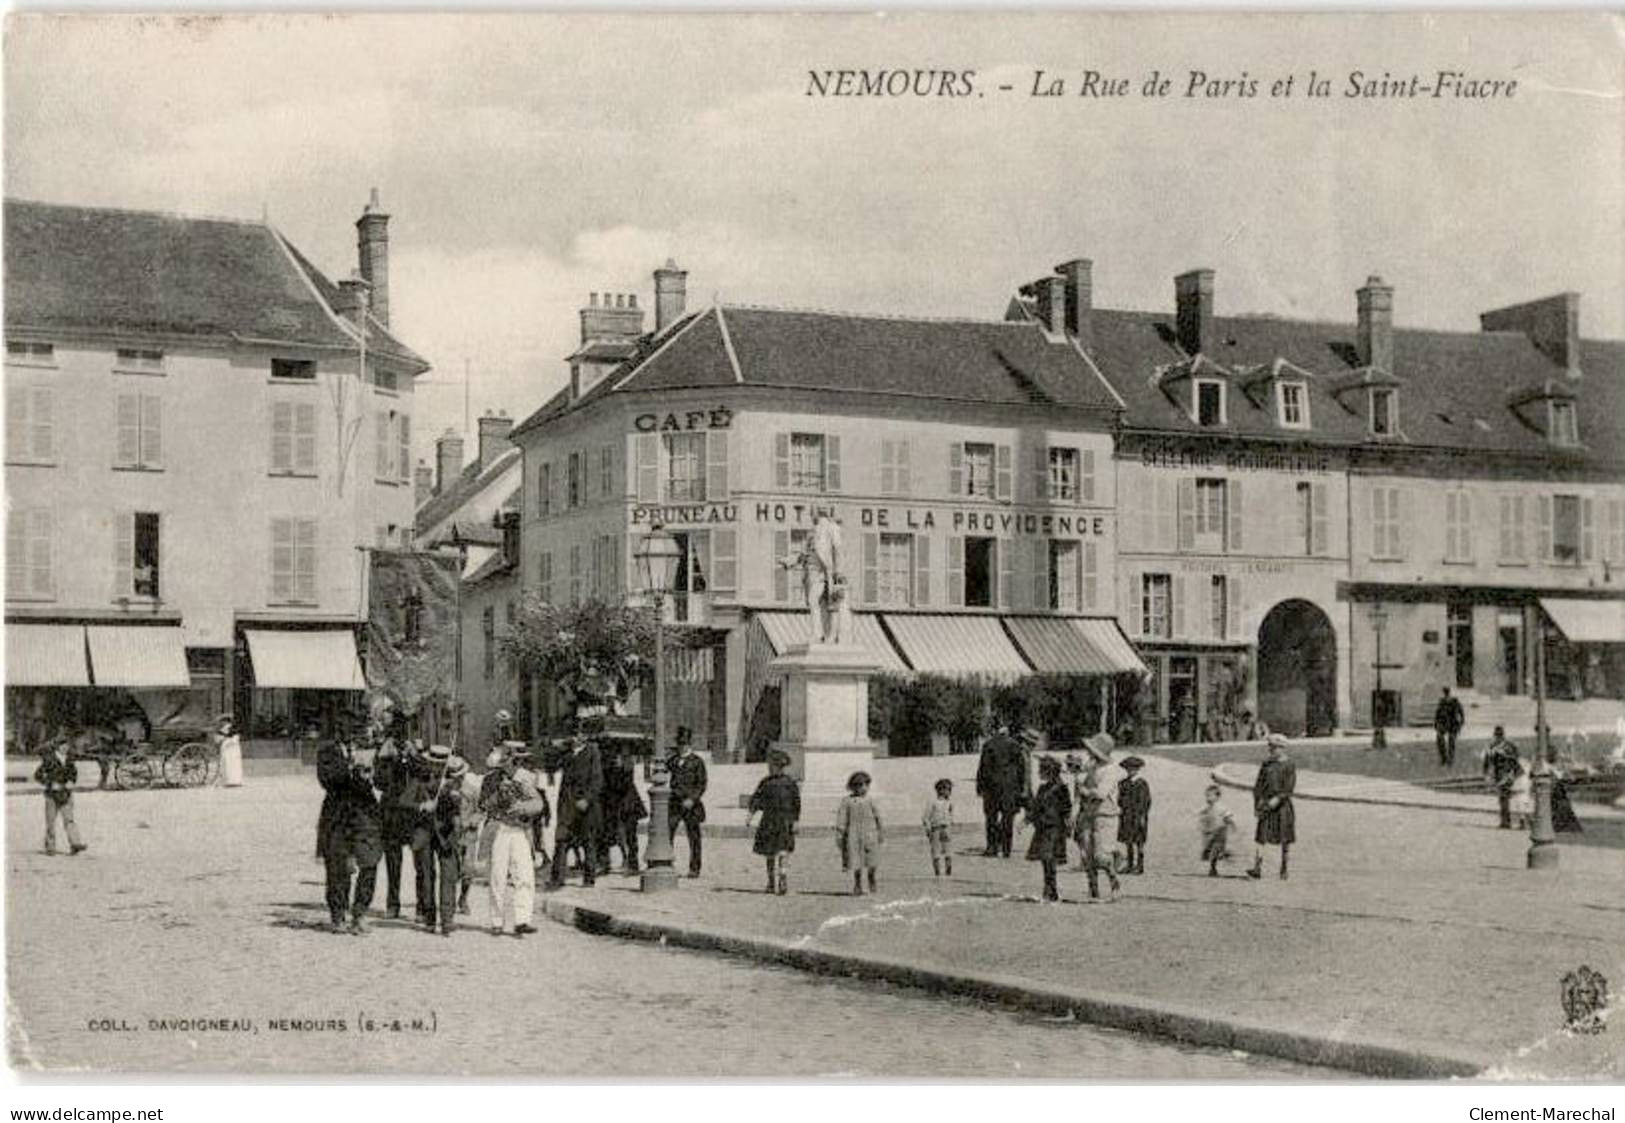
(1134, 802)
(1049, 812)
(778, 799)
(858, 832)
(1096, 823)
(938, 822)
(1216, 823)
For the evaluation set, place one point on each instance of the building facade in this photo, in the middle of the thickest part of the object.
(201, 434)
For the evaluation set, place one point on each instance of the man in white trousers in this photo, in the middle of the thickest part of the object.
(509, 798)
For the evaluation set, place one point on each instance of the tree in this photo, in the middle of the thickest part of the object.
(589, 648)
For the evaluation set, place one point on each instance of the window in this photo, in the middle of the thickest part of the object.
(544, 578)
(1385, 523)
(30, 553)
(685, 467)
(136, 556)
(693, 572)
(139, 441)
(1458, 526)
(385, 380)
(488, 630)
(1305, 507)
(575, 574)
(1156, 620)
(1293, 404)
(979, 571)
(1513, 513)
(138, 361)
(606, 471)
(979, 462)
(293, 561)
(303, 370)
(30, 424)
(573, 481)
(807, 461)
(383, 459)
(30, 354)
(895, 473)
(788, 546)
(1564, 429)
(544, 491)
(293, 438)
(1566, 529)
(1384, 412)
(1064, 578)
(895, 570)
(1218, 605)
(1211, 511)
(1063, 474)
(1209, 402)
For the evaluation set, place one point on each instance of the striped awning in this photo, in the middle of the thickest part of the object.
(305, 660)
(1072, 646)
(690, 664)
(1587, 621)
(46, 655)
(785, 629)
(121, 655)
(958, 646)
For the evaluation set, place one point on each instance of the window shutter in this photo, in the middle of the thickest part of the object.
(304, 575)
(781, 460)
(1320, 523)
(905, 471)
(1145, 493)
(1002, 476)
(1507, 528)
(1086, 476)
(832, 462)
(888, 467)
(1376, 499)
(1187, 514)
(1588, 530)
(555, 488)
(956, 468)
(1038, 551)
(304, 437)
(382, 446)
(1131, 612)
(922, 569)
(1089, 572)
(724, 560)
(281, 436)
(16, 551)
(1038, 473)
(17, 422)
(281, 560)
(1464, 525)
(648, 468)
(1545, 506)
(1404, 522)
(781, 573)
(123, 554)
(1232, 607)
(41, 548)
(1167, 514)
(404, 465)
(716, 466)
(1452, 545)
(1005, 558)
(1176, 606)
(956, 572)
(1232, 512)
(152, 431)
(128, 445)
(43, 416)
(871, 562)
(1616, 530)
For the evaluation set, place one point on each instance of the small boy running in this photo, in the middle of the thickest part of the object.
(938, 821)
(859, 833)
(1216, 822)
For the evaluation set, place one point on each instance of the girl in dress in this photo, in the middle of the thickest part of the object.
(1049, 813)
(231, 753)
(778, 800)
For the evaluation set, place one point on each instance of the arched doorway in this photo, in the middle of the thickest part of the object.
(1297, 670)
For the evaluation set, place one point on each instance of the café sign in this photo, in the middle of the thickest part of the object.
(719, 418)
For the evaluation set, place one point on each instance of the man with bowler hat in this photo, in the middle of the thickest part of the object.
(688, 781)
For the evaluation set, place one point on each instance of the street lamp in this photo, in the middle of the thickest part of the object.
(657, 556)
(1543, 852)
(1379, 735)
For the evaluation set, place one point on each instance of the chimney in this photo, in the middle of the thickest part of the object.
(352, 298)
(1552, 325)
(1078, 278)
(1374, 330)
(422, 484)
(1050, 296)
(448, 460)
(1193, 300)
(494, 429)
(372, 242)
(671, 295)
(616, 316)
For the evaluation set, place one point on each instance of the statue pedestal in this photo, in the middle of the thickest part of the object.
(824, 714)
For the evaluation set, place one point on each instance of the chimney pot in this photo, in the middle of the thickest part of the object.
(448, 457)
(1050, 295)
(372, 246)
(493, 435)
(1078, 277)
(1374, 326)
(671, 295)
(1193, 303)
(352, 298)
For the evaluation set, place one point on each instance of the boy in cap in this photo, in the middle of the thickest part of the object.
(1134, 802)
(778, 799)
(57, 774)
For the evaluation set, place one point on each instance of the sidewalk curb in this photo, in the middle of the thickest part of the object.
(1188, 1025)
(1221, 776)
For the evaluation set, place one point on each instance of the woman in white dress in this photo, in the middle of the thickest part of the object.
(231, 754)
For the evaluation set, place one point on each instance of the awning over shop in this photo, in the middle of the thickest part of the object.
(1587, 621)
(786, 628)
(121, 655)
(305, 660)
(958, 646)
(46, 655)
(1070, 646)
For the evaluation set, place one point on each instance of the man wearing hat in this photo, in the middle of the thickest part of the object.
(452, 809)
(1272, 805)
(688, 781)
(581, 791)
(510, 799)
(1097, 811)
(390, 775)
(1134, 806)
(1002, 782)
(347, 832)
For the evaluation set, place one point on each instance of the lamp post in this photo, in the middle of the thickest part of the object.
(1379, 735)
(1543, 852)
(657, 556)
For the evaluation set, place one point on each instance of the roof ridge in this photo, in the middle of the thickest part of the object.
(183, 216)
(852, 315)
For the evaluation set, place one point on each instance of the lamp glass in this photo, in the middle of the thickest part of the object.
(657, 557)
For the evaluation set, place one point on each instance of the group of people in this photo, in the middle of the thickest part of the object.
(1513, 781)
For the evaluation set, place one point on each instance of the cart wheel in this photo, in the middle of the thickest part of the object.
(136, 772)
(188, 766)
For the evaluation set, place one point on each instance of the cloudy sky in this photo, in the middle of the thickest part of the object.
(528, 160)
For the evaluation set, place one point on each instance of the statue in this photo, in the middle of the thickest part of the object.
(823, 582)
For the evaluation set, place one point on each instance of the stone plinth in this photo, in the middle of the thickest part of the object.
(824, 714)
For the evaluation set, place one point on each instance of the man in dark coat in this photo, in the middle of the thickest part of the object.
(581, 790)
(1448, 719)
(348, 833)
(395, 822)
(1272, 805)
(623, 809)
(1001, 781)
(1501, 768)
(688, 782)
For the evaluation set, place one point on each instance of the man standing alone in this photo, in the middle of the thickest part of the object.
(688, 781)
(1501, 767)
(1001, 781)
(57, 774)
(1448, 719)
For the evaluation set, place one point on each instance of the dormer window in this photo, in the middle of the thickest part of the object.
(1564, 430)
(1292, 404)
(1208, 408)
(1384, 411)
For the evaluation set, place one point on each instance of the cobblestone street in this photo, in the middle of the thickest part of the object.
(204, 905)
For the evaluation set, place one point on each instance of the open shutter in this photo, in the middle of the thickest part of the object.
(1167, 515)
(17, 551)
(1089, 577)
(781, 572)
(304, 437)
(152, 431)
(1616, 530)
(1038, 473)
(304, 576)
(888, 467)
(403, 464)
(956, 572)
(716, 466)
(281, 560)
(1187, 514)
(781, 460)
(1320, 523)
(1233, 514)
(1545, 529)
(1086, 476)
(1146, 525)
(128, 442)
(1588, 530)
(648, 453)
(1403, 522)
(281, 436)
(383, 446)
(123, 554)
(41, 551)
(1464, 525)
(1176, 605)
(1130, 611)
(1002, 476)
(905, 469)
(832, 462)
(724, 561)
(871, 566)
(1232, 607)
(1039, 548)
(922, 569)
(1005, 558)
(42, 422)
(17, 422)
(956, 468)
